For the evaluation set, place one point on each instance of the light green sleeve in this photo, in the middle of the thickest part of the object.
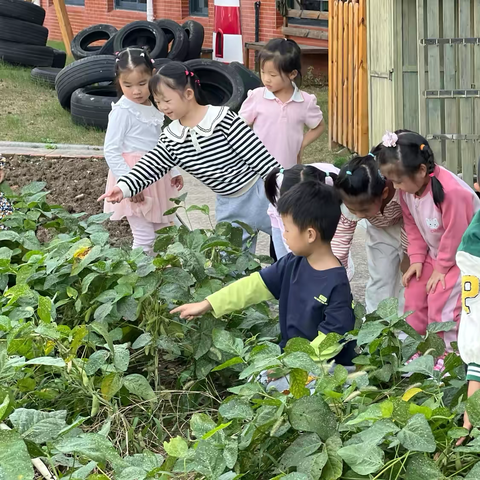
(329, 352)
(239, 295)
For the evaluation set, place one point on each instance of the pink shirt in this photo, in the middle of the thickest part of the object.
(438, 231)
(280, 126)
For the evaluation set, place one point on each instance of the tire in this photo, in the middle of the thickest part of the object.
(21, 10)
(196, 34)
(46, 75)
(81, 73)
(250, 79)
(59, 58)
(90, 106)
(158, 63)
(108, 48)
(29, 55)
(81, 42)
(179, 49)
(220, 84)
(18, 31)
(142, 34)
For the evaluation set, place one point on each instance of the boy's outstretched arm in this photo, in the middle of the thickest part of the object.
(236, 296)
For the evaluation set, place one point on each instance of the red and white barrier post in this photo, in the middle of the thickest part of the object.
(227, 32)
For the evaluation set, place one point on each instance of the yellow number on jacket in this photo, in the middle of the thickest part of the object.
(470, 289)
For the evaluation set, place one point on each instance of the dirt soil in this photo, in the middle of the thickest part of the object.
(73, 183)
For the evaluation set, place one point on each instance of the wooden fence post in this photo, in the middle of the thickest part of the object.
(64, 23)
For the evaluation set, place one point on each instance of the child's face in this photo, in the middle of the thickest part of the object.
(134, 85)
(174, 104)
(362, 207)
(300, 243)
(274, 80)
(401, 181)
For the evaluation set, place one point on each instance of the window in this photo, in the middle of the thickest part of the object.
(308, 6)
(139, 5)
(80, 3)
(198, 8)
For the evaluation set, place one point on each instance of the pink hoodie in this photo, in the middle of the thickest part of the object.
(438, 231)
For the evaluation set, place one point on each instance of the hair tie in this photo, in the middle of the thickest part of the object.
(327, 174)
(116, 53)
(117, 60)
(390, 139)
(187, 72)
(152, 60)
(348, 172)
(197, 82)
(142, 54)
(282, 170)
(431, 175)
(371, 154)
(192, 74)
(422, 146)
(380, 173)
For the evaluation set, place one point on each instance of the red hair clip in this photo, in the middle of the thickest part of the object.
(197, 82)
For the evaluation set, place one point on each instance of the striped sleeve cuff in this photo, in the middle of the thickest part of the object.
(124, 188)
(473, 372)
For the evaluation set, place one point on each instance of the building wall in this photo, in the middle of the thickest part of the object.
(103, 11)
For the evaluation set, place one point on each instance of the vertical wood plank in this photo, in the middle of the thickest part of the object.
(64, 24)
(330, 72)
(422, 110)
(476, 16)
(363, 81)
(450, 83)
(340, 73)
(334, 80)
(346, 71)
(398, 63)
(355, 80)
(350, 77)
(466, 104)
(434, 106)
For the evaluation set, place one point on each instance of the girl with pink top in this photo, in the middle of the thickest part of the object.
(279, 111)
(437, 208)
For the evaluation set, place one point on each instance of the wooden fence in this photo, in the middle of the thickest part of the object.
(348, 75)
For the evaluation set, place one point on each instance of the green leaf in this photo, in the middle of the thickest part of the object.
(340, 375)
(200, 424)
(226, 342)
(364, 459)
(312, 414)
(437, 327)
(111, 384)
(147, 460)
(313, 465)
(102, 311)
(4, 406)
(294, 476)
(197, 208)
(143, 340)
(91, 445)
(236, 408)
(388, 308)
(373, 412)
(420, 467)
(301, 360)
(304, 445)
(473, 408)
(33, 188)
(228, 363)
(177, 447)
(138, 385)
(298, 344)
(50, 361)
(38, 426)
(417, 435)
(97, 360)
(209, 460)
(334, 467)
(230, 453)
(44, 309)
(132, 473)
(423, 365)
(369, 332)
(121, 357)
(473, 474)
(377, 432)
(102, 330)
(298, 379)
(15, 463)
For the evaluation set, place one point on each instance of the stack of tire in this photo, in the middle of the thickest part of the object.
(85, 87)
(23, 39)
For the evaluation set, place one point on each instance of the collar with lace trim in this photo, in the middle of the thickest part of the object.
(153, 117)
(178, 133)
(296, 96)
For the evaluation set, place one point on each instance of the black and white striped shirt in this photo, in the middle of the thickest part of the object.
(221, 151)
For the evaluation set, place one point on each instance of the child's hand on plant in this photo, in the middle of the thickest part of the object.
(115, 195)
(192, 310)
(177, 182)
(415, 269)
(433, 281)
(473, 386)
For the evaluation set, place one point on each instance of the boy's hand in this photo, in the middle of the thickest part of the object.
(138, 198)
(192, 310)
(414, 269)
(177, 182)
(115, 195)
(433, 281)
(2, 175)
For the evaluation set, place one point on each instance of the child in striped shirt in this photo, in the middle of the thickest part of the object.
(212, 143)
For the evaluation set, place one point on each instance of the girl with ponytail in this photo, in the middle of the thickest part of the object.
(279, 181)
(437, 208)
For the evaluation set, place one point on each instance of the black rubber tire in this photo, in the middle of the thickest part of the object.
(179, 47)
(250, 79)
(91, 105)
(220, 84)
(46, 75)
(29, 55)
(108, 46)
(18, 31)
(82, 73)
(81, 41)
(59, 58)
(158, 63)
(142, 34)
(21, 10)
(196, 34)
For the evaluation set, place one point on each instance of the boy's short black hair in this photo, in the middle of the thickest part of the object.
(312, 205)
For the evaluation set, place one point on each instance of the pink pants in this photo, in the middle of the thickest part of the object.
(441, 306)
(143, 232)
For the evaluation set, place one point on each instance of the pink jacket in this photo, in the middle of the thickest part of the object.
(438, 231)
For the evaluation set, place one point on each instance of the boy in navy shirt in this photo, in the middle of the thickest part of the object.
(310, 283)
